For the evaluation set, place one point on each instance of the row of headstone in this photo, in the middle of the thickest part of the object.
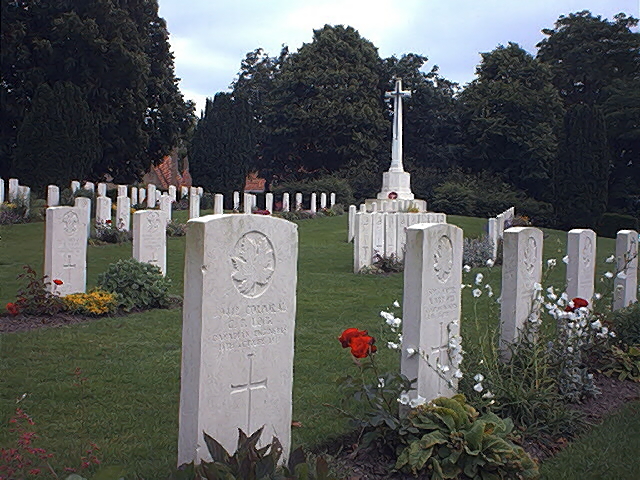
(16, 193)
(497, 225)
(250, 202)
(399, 206)
(383, 233)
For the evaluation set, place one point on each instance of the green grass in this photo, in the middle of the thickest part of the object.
(129, 404)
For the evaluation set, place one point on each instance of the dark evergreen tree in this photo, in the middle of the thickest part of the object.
(583, 168)
(58, 139)
(511, 113)
(223, 145)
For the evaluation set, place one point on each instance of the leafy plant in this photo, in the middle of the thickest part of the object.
(626, 324)
(450, 439)
(11, 213)
(136, 284)
(623, 363)
(107, 233)
(176, 229)
(96, 302)
(35, 298)
(476, 251)
(384, 264)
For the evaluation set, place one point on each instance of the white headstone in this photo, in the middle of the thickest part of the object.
(173, 193)
(581, 267)
(625, 284)
(332, 199)
(90, 186)
(352, 222)
(521, 271)
(492, 232)
(285, 202)
(313, 204)
(102, 189)
(247, 203)
(134, 196)
(84, 204)
(238, 331)
(1, 190)
(151, 196)
(142, 194)
(236, 201)
(363, 208)
(150, 238)
(194, 205)
(431, 309)
(103, 210)
(298, 201)
(122, 191)
(200, 191)
(362, 241)
(323, 200)
(268, 202)
(374, 206)
(75, 186)
(165, 205)
(390, 234)
(123, 213)
(378, 234)
(53, 196)
(184, 192)
(158, 196)
(13, 189)
(401, 238)
(65, 253)
(218, 204)
(24, 198)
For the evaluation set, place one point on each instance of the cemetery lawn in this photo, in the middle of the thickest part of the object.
(115, 381)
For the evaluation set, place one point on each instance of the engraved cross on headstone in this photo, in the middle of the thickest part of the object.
(249, 387)
(441, 354)
(68, 266)
(396, 144)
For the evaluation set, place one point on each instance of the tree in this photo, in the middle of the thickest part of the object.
(511, 113)
(58, 139)
(326, 112)
(223, 145)
(583, 168)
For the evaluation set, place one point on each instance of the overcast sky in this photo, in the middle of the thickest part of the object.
(210, 38)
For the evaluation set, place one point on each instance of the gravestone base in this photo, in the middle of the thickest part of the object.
(398, 182)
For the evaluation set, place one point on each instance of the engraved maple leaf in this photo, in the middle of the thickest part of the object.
(253, 265)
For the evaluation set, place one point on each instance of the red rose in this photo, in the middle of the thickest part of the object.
(58, 281)
(349, 334)
(13, 309)
(575, 304)
(362, 346)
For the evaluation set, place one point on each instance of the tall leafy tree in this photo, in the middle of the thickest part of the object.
(223, 145)
(511, 113)
(58, 139)
(583, 170)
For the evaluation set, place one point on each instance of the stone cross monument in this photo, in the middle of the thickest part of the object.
(396, 183)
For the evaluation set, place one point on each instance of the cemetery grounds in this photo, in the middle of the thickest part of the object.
(114, 382)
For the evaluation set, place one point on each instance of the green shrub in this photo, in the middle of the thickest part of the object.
(476, 251)
(138, 285)
(454, 199)
(626, 324)
(450, 439)
(176, 229)
(610, 223)
(35, 298)
(109, 234)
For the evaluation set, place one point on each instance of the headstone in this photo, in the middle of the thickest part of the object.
(378, 234)
(14, 184)
(352, 222)
(218, 204)
(165, 205)
(75, 186)
(363, 208)
(194, 205)
(323, 200)
(84, 204)
(122, 191)
(332, 199)
(390, 234)
(313, 204)
(150, 238)
(142, 194)
(236, 201)
(90, 186)
(1, 190)
(431, 309)
(65, 253)
(285, 202)
(374, 207)
(134, 196)
(173, 193)
(363, 241)
(247, 203)
(581, 267)
(238, 331)
(492, 232)
(298, 201)
(151, 196)
(103, 210)
(625, 283)
(53, 196)
(200, 191)
(521, 271)
(184, 192)
(401, 238)
(102, 189)
(268, 202)
(158, 196)
(123, 213)
(24, 198)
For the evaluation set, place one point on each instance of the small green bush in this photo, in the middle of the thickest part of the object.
(176, 229)
(454, 199)
(610, 223)
(138, 285)
(476, 251)
(109, 234)
(626, 324)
